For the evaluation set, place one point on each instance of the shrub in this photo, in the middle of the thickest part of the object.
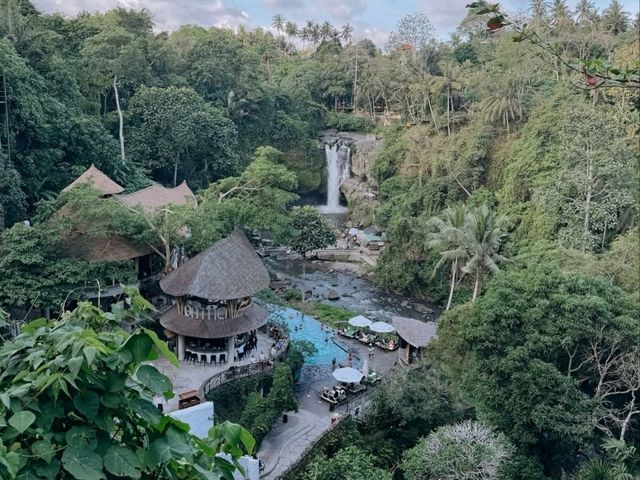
(348, 122)
(467, 450)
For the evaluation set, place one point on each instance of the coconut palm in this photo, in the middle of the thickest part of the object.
(539, 10)
(326, 31)
(585, 12)
(314, 33)
(346, 32)
(503, 104)
(450, 238)
(560, 15)
(291, 29)
(615, 19)
(483, 237)
(278, 22)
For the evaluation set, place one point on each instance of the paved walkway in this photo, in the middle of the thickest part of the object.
(192, 377)
(287, 442)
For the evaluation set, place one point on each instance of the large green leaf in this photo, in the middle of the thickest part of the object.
(22, 420)
(140, 345)
(162, 347)
(151, 378)
(122, 462)
(43, 449)
(87, 403)
(158, 452)
(147, 410)
(82, 463)
(81, 437)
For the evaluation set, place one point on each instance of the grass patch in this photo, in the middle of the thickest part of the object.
(335, 317)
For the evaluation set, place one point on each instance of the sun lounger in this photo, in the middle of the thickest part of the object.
(347, 333)
(387, 346)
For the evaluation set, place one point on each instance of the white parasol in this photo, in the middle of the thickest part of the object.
(347, 375)
(381, 327)
(360, 321)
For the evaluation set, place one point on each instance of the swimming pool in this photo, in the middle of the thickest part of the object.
(308, 328)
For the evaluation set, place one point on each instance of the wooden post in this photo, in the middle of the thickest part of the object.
(181, 347)
(231, 349)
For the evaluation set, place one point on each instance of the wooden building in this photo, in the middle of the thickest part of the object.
(214, 315)
(111, 246)
(414, 336)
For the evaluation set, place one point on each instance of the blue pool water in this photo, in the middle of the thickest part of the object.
(312, 330)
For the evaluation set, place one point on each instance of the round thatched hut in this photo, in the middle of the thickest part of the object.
(214, 315)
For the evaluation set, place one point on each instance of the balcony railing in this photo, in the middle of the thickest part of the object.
(217, 312)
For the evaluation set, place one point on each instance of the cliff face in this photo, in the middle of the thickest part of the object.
(360, 189)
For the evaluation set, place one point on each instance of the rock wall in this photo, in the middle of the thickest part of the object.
(360, 189)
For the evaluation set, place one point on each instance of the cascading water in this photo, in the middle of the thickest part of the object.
(338, 160)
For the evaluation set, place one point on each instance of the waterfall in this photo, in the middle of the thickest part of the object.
(338, 160)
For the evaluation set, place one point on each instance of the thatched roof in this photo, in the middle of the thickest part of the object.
(102, 249)
(156, 196)
(228, 269)
(253, 317)
(415, 332)
(98, 179)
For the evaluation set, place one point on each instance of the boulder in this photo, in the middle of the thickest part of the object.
(333, 295)
(275, 285)
(418, 307)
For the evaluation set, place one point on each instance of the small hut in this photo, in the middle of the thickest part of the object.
(414, 336)
(111, 246)
(214, 315)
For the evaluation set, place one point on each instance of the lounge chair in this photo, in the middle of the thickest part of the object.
(389, 346)
(348, 332)
(328, 396)
(355, 388)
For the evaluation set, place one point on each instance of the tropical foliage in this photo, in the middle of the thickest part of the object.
(77, 402)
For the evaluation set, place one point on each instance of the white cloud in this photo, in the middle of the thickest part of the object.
(445, 16)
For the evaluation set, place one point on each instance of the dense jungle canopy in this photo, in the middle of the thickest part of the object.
(507, 183)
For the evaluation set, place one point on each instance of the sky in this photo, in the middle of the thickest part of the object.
(373, 19)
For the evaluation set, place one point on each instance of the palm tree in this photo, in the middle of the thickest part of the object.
(326, 31)
(483, 240)
(503, 104)
(314, 33)
(539, 9)
(346, 32)
(291, 29)
(450, 238)
(278, 22)
(560, 15)
(615, 19)
(585, 12)
(304, 34)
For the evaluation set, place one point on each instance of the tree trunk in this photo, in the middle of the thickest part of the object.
(476, 287)
(175, 171)
(121, 121)
(589, 194)
(433, 117)
(632, 411)
(448, 114)
(167, 257)
(454, 271)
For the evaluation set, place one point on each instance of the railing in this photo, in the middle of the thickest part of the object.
(234, 373)
(217, 312)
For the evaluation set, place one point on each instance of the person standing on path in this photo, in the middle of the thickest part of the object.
(370, 351)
